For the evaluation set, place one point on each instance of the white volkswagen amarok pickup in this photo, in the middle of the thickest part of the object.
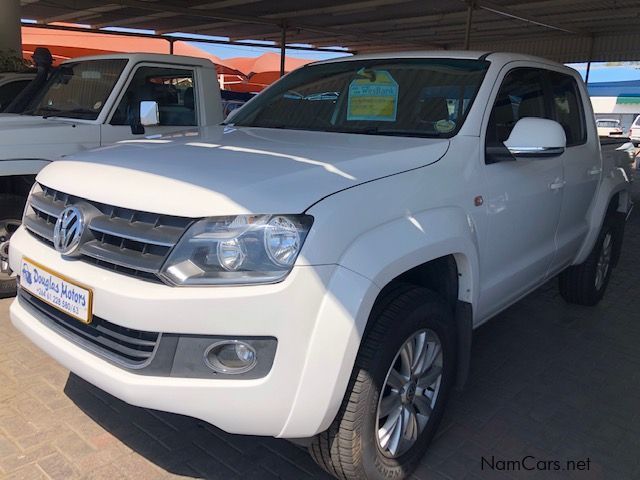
(314, 268)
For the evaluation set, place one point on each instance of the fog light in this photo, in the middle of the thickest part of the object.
(230, 356)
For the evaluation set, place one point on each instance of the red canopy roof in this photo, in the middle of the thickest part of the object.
(65, 44)
(245, 74)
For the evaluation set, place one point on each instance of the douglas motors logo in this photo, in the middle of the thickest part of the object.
(26, 274)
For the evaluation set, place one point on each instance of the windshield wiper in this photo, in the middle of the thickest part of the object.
(44, 111)
(57, 112)
(386, 131)
(78, 111)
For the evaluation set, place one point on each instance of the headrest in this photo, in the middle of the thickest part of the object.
(433, 109)
(189, 98)
(532, 106)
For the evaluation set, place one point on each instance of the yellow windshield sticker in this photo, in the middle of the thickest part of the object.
(373, 95)
(445, 126)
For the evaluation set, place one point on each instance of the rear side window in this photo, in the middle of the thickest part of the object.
(567, 105)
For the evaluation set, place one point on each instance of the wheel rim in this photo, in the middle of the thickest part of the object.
(604, 261)
(7, 229)
(409, 393)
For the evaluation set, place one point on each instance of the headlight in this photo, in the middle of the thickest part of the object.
(246, 249)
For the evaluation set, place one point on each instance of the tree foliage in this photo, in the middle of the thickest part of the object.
(10, 61)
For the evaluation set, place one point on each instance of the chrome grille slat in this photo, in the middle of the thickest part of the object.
(127, 241)
(39, 226)
(47, 205)
(123, 338)
(121, 256)
(164, 236)
(121, 345)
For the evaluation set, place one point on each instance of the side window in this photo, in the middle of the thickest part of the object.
(10, 90)
(522, 94)
(173, 90)
(567, 104)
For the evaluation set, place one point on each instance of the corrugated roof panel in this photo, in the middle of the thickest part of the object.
(558, 29)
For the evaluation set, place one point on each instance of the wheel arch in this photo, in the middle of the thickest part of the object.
(439, 251)
(450, 277)
(612, 197)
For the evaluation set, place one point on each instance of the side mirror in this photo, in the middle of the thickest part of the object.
(534, 137)
(149, 114)
(231, 114)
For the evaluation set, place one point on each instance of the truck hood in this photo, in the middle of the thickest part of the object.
(229, 170)
(20, 134)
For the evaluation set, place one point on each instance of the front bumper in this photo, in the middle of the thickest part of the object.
(317, 314)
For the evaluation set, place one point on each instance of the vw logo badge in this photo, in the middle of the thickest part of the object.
(68, 230)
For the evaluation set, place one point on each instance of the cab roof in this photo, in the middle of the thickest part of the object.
(148, 57)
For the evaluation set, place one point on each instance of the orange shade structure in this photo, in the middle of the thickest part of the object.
(65, 44)
(241, 74)
(262, 71)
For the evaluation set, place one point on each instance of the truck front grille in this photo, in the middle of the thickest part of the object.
(127, 241)
(123, 346)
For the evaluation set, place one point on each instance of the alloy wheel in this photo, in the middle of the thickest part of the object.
(7, 229)
(604, 261)
(409, 393)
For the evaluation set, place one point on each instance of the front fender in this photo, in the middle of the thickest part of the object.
(414, 239)
(24, 166)
(370, 261)
(611, 184)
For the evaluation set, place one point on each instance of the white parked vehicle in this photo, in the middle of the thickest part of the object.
(634, 131)
(608, 127)
(314, 269)
(95, 101)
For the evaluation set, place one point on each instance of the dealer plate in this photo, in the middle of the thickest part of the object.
(56, 290)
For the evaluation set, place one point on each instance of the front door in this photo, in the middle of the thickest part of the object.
(523, 198)
(173, 88)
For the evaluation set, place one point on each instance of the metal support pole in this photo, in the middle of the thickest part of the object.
(283, 48)
(10, 34)
(171, 42)
(593, 40)
(467, 35)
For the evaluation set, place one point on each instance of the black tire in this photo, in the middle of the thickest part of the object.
(349, 449)
(11, 208)
(580, 284)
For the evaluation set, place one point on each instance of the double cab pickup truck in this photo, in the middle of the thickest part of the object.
(314, 268)
(95, 101)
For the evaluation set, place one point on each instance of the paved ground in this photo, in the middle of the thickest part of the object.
(549, 380)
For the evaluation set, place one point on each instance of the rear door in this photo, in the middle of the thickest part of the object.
(173, 88)
(523, 198)
(582, 165)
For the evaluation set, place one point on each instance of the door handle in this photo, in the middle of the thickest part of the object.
(594, 171)
(557, 185)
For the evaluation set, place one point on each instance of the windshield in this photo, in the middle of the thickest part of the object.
(77, 90)
(403, 97)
